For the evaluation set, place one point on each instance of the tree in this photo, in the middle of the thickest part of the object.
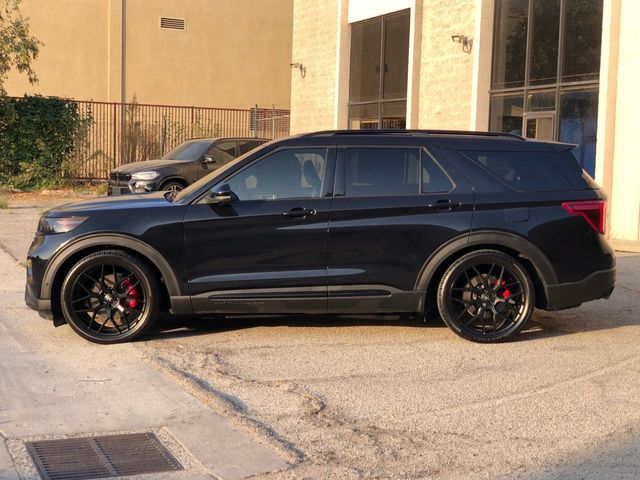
(18, 48)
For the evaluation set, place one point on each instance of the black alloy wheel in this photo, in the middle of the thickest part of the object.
(172, 187)
(110, 296)
(486, 296)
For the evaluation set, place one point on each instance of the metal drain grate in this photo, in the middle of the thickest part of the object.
(100, 457)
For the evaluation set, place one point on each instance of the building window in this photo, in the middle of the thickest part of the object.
(378, 72)
(545, 72)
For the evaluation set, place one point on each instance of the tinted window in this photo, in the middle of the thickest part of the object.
(582, 40)
(191, 150)
(382, 171)
(524, 171)
(292, 173)
(510, 43)
(223, 152)
(543, 63)
(245, 146)
(434, 180)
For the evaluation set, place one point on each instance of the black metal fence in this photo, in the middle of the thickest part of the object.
(119, 133)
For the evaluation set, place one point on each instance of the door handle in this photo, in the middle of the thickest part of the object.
(300, 212)
(444, 205)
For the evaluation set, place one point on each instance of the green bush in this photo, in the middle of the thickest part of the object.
(37, 136)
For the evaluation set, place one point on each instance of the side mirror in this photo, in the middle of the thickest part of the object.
(208, 160)
(220, 194)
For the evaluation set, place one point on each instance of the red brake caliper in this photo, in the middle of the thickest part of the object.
(126, 284)
(506, 293)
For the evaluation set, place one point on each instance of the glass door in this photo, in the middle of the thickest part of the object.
(539, 126)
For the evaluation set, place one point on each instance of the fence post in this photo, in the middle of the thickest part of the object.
(255, 122)
(115, 133)
(273, 121)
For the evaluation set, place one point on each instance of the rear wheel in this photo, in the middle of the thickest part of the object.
(486, 296)
(110, 297)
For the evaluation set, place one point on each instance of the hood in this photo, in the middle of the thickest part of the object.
(147, 165)
(118, 202)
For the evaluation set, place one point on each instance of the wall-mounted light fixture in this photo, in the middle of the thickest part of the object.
(467, 43)
(302, 68)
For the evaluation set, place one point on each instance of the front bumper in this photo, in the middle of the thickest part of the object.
(40, 305)
(598, 285)
(132, 186)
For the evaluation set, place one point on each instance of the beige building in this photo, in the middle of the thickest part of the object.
(554, 69)
(219, 53)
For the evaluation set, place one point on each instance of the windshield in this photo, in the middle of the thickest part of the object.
(190, 150)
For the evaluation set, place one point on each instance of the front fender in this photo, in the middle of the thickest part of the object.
(118, 240)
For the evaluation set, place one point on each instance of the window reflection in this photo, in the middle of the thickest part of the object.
(510, 43)
(507, 113)
(582, 40)
(579, 124)
(543, 63)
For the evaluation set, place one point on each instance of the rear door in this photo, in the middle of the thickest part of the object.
(393, 207)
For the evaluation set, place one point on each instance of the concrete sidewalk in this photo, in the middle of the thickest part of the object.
(53, 383)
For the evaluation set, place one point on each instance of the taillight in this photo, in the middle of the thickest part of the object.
(593, 211)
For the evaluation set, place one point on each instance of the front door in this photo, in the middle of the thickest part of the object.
(266, 251)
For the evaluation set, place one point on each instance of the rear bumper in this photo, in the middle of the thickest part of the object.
(598, 285)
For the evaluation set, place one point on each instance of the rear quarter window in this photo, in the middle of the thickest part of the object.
(522, 171)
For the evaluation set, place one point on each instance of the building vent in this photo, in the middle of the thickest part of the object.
(173, 23)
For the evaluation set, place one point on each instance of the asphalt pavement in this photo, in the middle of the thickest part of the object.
(345, 398)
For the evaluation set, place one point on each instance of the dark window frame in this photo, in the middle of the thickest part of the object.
(381, 100)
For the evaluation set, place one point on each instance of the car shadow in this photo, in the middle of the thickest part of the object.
(620, 310)
(186, 326)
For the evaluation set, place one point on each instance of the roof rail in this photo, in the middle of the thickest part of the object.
(414, 133)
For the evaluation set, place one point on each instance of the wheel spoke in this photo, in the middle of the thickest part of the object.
(497, 286)
(91, 295)
(478, 315)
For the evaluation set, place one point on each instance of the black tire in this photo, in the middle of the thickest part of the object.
(486, 296)
(172, 186)
(110, 297)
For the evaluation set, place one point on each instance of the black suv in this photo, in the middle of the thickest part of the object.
(186, 163)
(479, 227)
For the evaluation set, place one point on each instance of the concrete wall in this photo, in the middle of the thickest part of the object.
(440, 83)
(624, 163)
(316, 34)
(446, 72)
(234, 53)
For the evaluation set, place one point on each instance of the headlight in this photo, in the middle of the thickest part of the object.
(144, 175)
(49, 225)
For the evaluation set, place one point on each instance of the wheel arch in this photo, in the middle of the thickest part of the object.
(62, 262)
(173, 178)
(533, 259)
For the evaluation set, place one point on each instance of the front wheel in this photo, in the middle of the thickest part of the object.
(486, 296)
(110, 297)
(172, 186)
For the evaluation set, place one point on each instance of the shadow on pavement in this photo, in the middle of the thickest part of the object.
(619, 311)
